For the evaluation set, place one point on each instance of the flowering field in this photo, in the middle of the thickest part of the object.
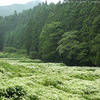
(25, 79)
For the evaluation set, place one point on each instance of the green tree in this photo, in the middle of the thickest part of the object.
(69, 47)
(95, 50)
(49, 38)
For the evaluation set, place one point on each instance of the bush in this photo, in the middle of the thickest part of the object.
(21, 51)
(10, 50)
(33, 55)
(2, 70)
(15, 92)
(34, 97)
(11, 55)
(3, 55)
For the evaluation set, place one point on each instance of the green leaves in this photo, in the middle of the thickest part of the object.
(15, 92)
(49, 38)
(39, 31)
(95, 50)
(69, 45)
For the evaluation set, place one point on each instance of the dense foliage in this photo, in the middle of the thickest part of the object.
(66, 32)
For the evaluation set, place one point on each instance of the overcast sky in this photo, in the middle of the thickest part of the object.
(9, 2)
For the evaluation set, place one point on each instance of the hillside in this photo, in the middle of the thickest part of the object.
(67, 32)
(9, 10)
(25, 79)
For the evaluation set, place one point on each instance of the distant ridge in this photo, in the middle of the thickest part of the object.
(9, 9)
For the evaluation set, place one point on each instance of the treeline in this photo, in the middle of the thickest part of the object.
(66, 32)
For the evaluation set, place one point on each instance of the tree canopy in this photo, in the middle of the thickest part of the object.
(66, 32)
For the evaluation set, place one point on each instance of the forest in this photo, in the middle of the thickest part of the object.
(67, 32)
(51, 52)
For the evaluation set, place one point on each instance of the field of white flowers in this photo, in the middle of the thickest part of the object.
(25, 79)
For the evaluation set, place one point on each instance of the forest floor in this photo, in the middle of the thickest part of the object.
(25, 79)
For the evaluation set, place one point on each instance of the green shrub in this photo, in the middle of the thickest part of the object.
(11, 55)
(33, 55)
(15, 92)
(21, 51)
(3, 55)
(2, 70)
(10, 50)
(34, 97)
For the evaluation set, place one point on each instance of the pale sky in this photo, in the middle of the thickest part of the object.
(9, 2)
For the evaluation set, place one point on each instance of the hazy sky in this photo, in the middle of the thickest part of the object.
(9, 2)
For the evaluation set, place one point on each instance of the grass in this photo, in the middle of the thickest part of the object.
(25, 79)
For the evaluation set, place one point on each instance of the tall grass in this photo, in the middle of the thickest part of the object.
(25, 79)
